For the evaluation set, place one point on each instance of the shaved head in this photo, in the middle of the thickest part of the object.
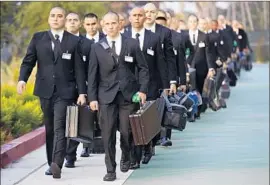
(57, 18)
(137, 9)
(150, 13)
(58, 9)
(110, 15)
(150, 6)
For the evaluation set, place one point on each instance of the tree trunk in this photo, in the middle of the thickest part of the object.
(266, 8)
(249, 16)
(233, 11)
(243, 16)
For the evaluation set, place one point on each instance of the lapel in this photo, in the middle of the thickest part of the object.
(198, 40)
(64, 42)
(123, 45)
(146, 40)
(109, 52)
(48, 45)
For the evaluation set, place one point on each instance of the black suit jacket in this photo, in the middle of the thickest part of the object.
(106, 76)
(166, 42)
(181, 43)
(217, 47)
(201, 57)
(66, 74)
(229, 39)
(242, 40)
(156, 62)
(85, 50)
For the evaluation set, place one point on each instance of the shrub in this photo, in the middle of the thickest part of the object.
(19, 113)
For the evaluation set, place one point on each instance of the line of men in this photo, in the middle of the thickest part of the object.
(107, 69)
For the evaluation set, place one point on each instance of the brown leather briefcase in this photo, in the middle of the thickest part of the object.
(145, 123)
(80, 122)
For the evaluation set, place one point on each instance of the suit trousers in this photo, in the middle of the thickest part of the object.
(200, 78)
(110, 116)
(54, 118)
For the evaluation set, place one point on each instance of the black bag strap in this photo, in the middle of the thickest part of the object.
(106, 47)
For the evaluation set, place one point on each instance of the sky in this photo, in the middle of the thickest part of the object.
(189, 6)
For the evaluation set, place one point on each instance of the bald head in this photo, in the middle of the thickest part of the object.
(203, 25)
(73, 23)
(57, 18)
(137, 18)
(150, 13)
(221, 20)
(111, 24)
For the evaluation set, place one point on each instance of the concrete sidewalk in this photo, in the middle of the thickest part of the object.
(228, 147)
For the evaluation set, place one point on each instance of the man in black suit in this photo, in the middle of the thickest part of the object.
(91, 26)
(167, 47)
(111, 85)
(218, 54)
(60, 78)
(227, 31)
(201, 58)
(151, 47)
(180, 41)
(73, 24)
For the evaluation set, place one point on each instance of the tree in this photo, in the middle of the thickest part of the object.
(33, 17)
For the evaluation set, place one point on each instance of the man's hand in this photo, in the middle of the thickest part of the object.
(211, 73)
(94, 105)
(81, 99)
(173, 88)
(187, 77)
(183, 88)
(21, 86)
(142, 97)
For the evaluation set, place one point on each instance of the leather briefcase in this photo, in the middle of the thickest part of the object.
(160, 108)
(224, 91)
(80, 121)
(145, 123)
(209, 90)
(176, 117)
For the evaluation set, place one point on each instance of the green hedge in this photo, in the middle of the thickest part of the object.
(20, 114)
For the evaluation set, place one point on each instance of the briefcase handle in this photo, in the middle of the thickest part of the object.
(85, 106)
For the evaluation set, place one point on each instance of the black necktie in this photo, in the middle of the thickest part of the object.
(113, 47)
(93, 40)
(57, 47)
(137, 38)
(194, 41)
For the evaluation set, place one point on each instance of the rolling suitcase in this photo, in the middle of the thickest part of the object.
(145, 123)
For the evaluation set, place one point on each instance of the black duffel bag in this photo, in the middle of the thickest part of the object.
(175, 116)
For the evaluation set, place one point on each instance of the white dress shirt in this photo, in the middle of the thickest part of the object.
(191, 33)
(141, 37)
(96, 37)
(60, 33)
(152, 28)
(118, 43)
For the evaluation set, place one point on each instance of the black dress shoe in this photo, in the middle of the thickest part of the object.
(48, 171)
(109, 177)
(124, 163)
(56, 171)
(70, 164)
(85, 152)
(146, 158)
(191, 118)
(134, 166)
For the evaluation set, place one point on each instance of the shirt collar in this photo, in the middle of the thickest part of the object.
(117, 39)
(60, 33)
(141, 32)
(96, 36)
(152, 28)
(194, 32)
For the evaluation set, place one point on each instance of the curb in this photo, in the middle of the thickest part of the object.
(21, 146)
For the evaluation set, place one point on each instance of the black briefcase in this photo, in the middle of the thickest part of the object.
(80, 122)
(192, 79)
(176, 117)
